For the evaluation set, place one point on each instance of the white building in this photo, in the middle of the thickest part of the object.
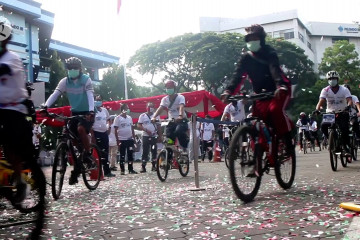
(313, 37)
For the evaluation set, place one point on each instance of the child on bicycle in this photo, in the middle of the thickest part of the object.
(80, 92)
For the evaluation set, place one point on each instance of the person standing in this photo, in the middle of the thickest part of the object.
(207, 138)
(151, 133)
(125, 137)
(113, 148)
(36, 139)
(101, 135)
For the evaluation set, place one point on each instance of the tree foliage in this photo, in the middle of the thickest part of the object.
(343, 58)
(207, 60)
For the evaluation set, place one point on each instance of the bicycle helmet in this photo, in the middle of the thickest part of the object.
(302, 114)
(255, 30)
(170, 84)
(5, 28)
(73, 62)
(332, 74)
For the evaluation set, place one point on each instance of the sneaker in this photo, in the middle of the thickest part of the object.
(110, 175)
(143, 170)
(73, 179)
(113, 168)
(21, 192)
(122, 173)
(132, 172)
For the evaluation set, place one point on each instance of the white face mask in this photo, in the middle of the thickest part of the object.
(253, 46)
(332, 82)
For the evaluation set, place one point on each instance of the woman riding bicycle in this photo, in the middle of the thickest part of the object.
(262, 66)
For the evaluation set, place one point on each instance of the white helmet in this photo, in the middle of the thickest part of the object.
(332, 74)
(5, 28)
(302, 114)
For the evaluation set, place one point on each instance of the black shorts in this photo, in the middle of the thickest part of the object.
(16, 132)
(75, 122)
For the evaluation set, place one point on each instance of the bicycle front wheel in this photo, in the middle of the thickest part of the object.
(59, 168)
(92, 174)
(244, 156)
(332, 151)
(285, 166)
(162, 166)
(354, 147)
(304, 142)
(184, 164)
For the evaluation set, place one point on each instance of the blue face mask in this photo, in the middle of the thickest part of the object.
(253, 46)
(170, 91)
(98, 103)
(73, 73)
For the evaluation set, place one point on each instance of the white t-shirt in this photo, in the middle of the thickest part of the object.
(207, 129)
(353, 109)
(12, 87)
(36, 130)
(173, 112)
(124, 127)
(112, 138)
(237, 114)
(301, 127)
(226, 131)
(335, 101)
(101, 120)
(145, 120)
(313, 126)
(197, 129)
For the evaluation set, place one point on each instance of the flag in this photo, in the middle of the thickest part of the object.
(118, 6)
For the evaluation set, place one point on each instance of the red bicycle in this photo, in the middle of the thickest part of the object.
(254, 150)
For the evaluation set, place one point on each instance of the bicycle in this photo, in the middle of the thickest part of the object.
(254, 150)
(226, 155)
(32, 208)
(170, 157)
(336, 147)
(66, 153)
(324, 142)
(354, 144)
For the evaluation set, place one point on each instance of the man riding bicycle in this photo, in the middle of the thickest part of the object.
(261, 65)
(80, 93)
(338, 98)
(15, 129)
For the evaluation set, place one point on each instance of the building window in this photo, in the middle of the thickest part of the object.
(286, 34)
(309, 45)
(301, 37)
(334, 39)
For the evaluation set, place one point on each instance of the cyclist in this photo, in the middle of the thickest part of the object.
(303, 124)
(175, 104)
(314, 130)
(354, 112)
(80, 93)
(261, 65)
(235, 111)
(15, 129)
(338, 98)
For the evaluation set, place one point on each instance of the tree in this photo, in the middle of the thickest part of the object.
(343, 58)
(207, 60)
(57, 72)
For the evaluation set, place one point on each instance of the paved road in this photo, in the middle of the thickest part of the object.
(141, 207)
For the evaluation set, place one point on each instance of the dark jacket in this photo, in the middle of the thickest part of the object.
(263, 70)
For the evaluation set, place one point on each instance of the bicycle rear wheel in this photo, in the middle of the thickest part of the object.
(304, 142)
(285, 166)
(332, 151)
(92, 174)
(354, 147)
(244, 155)
(59, 168)
(162, 166)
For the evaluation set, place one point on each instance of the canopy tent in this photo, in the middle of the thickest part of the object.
(200, 102)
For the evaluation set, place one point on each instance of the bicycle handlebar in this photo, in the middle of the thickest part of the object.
(255, 96)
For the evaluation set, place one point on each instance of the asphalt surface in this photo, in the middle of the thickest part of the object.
(141, 207)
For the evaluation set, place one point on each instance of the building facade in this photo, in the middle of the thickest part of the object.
(31, 40)
(312, 37)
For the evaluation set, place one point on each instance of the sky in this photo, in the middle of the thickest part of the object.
(95, 24)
